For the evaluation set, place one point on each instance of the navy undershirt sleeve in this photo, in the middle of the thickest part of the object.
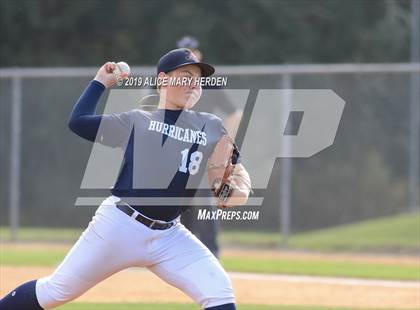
(83, 119)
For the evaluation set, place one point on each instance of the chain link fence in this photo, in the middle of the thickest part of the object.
(364, 174)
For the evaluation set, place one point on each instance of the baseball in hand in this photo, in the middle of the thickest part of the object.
(120, 69)
(123, 67)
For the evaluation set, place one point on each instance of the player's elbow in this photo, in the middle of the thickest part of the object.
(78, 126)
(74, 125)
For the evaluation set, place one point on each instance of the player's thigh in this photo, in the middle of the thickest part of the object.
(191, 267)
(207, 229)
(103, 249)
(189, 220)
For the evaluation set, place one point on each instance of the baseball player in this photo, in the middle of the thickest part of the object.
(123, 234)
(213, 101)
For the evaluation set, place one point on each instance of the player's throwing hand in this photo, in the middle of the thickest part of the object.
(106, 75)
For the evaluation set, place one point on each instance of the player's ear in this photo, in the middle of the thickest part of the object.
(161, 78)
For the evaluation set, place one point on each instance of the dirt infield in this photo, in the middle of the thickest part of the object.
(140, 285)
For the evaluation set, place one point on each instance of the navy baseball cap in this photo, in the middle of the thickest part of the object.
(182, 57)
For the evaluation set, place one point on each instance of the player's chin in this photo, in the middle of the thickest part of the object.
(190, 101)
(193, 94)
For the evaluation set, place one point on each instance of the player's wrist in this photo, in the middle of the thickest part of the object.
(98, 83)
(101, 81)
(238, 197)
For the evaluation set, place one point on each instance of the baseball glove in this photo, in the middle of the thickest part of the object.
(220, 169)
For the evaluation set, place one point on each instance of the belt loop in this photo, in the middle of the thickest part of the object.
(134, 215)
(114, 199)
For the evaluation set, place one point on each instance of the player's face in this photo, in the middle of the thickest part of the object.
(184, 96)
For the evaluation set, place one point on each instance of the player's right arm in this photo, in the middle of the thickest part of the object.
(83, 119)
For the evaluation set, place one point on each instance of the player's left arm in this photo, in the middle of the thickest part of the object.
(228, 178)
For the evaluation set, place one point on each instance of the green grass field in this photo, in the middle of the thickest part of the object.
(398, 233)
(88, 306)
(43, 234)
(393, 234)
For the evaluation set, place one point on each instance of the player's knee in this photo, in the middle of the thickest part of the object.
(219, 296)
(53, 291)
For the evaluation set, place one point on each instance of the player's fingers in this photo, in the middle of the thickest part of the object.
(110, 67)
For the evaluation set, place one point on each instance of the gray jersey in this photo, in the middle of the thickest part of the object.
(166, 153)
